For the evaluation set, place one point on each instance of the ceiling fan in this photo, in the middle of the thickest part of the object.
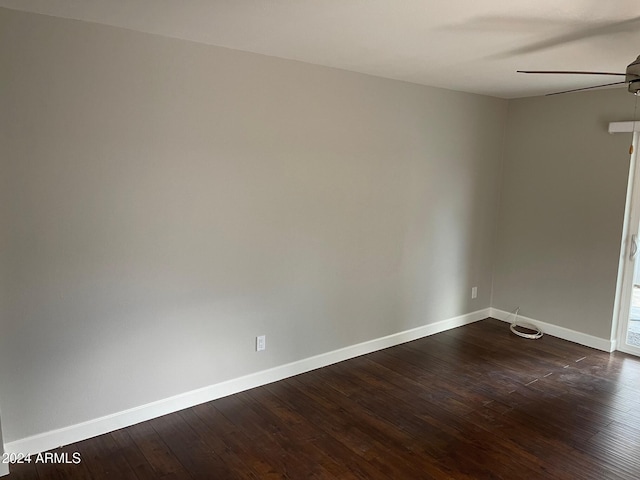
(632, 77)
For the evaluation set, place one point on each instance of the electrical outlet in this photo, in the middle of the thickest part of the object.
(474, 292)
(261, 343)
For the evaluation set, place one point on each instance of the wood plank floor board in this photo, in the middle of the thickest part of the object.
(619, 402)
(474, 402)
(396, 371)
(331, 444)
(406, 389)
(400, 405)
(478, 450)
(422, 359)
(492, 384)
(599, 410)
(558, 458)
(299, 430)
(267, 437)
(22, 471)
(433, 422)
(296, 446)
(156, 451)
(510, 356)
(361, 432)
(60, 471)
(102, 457)
(232, 453)
(545, 351)
(201, 461)
(403, 430)
(220, 433)
(617, 446)
(344, 428)
(462, 358)
(561, 389)
(553, 419)
(130, 451)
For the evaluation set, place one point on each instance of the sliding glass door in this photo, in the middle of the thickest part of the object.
(628, 300)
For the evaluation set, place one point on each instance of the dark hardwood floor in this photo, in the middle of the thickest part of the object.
(474, 402)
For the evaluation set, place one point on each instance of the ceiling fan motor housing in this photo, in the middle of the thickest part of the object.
(633, 76)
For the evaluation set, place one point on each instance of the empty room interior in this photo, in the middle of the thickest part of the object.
(341, 239)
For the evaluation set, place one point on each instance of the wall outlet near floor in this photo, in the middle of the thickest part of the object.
(261, 343)
(474, 292)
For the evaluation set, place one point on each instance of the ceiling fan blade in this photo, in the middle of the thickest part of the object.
(585, 88)
(570, 72)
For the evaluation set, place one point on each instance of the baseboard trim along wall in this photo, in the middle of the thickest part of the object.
(92, 428)
(560, 332)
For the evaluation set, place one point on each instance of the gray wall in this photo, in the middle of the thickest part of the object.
(169, 201)
(5, 207)
(562, 209)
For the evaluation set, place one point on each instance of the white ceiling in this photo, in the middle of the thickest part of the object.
(474, 46)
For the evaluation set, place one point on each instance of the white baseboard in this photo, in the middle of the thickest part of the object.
(560, 332)
(109, 423)
(4, 469)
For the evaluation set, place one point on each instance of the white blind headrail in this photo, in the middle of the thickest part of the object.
(624, 127)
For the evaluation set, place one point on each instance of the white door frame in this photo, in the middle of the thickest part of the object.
(631, 226)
